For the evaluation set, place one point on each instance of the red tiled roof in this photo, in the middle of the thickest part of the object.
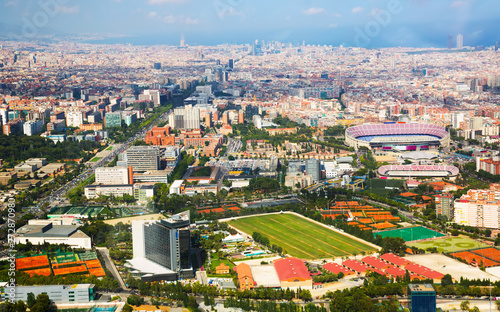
(290, 268)
(395, 271)
(424, 271)
(336, 268)
(355, 265)
(396, 260)
(375, 262)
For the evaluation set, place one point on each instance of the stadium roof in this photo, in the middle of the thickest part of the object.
(419, 155)
(291, 268)
(396, 129)
(418, 170)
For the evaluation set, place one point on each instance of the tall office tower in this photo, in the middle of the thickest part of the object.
(187, 118)
(165, 242)
(231, 63)
(74, 118)
(456, 119)
(143, 158)
(450, 42)
(313, 169)
(151, 95)
(497, 45)
(183, 41)
(460, 41)
(114, 175)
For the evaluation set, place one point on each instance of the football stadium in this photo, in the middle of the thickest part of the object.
(399, 171)
(397, 136)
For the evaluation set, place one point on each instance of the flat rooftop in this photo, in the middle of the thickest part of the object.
(421, 288)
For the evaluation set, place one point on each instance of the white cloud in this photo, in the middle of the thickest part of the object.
(314, 11)
(191, 21)
(158, 2)
(152, 14)
(458, 4)
(333, 25)
(357, 10)
(68, 9)
(336, 15)
(170, 19)
(229, 12)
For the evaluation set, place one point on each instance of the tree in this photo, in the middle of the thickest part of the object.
(127, 308)
(42, 304)
(31, 300)
(464, 306)
(447, 280)
(497, 303)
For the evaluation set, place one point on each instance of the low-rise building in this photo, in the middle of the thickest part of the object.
(76, 293)
(95, 191)
(52, 234)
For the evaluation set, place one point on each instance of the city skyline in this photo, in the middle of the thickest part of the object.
(150, 22)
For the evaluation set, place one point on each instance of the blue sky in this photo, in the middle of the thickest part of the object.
(414, 22)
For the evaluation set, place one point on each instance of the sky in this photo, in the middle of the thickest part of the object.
(365, 23)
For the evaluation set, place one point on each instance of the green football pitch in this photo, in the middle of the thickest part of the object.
(450, 244)
(410, 234)
(301, 237)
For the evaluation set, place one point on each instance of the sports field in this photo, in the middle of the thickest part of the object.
(300, 237)
(449, 244)
(410, 234)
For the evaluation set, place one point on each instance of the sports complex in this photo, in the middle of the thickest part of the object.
(301, 237)
(418, 171)
(397, 136)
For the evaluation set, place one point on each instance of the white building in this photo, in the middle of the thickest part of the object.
(187, 118)
(151, 95)
(74, 118)
(94, 191)
(113, 175)
(52, 234)
(32, 127)
(176, 187)
(478, 208)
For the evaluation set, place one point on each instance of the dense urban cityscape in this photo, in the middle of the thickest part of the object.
(260, 175)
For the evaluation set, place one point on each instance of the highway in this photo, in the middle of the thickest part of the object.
(62, 191)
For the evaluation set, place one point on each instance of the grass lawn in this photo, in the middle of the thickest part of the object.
(95, 159)
(300, 237)
(110, 148)
(450, 244)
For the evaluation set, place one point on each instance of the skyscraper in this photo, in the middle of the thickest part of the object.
(460, 41)
(450, 42)
(231, 63)
(166, 243)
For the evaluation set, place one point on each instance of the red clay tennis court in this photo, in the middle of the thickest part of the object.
(470, 257)
(490, 253)
(32, 262)
(44, 272)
